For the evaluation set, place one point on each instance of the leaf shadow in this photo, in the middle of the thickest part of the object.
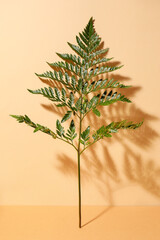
(67, 166)
(142, 171)
(105, 173)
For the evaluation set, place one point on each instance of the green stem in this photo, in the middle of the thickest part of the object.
(89, 146)
(89, 111)
(79, 188)
(68, 143)
(79, 170)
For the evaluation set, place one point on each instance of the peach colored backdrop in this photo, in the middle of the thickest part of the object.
(37, 170)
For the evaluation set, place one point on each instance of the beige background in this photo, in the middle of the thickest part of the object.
(36, 170)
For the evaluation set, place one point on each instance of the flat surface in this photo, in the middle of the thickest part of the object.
(57, 223)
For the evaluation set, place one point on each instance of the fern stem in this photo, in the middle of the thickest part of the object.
(79, 170)
(68, 143)
(79, 188)
(89, 146)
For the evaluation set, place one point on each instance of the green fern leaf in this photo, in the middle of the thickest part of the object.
(60, 130)
(71, 134)
(85, 134)
(96, 112)
(81, 45)
(66, 116)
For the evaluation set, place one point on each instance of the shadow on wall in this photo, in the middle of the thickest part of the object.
(105, 173)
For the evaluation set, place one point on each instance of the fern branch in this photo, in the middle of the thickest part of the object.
(36, 126)
(104, 84)
(71, 57)
(76, 70)
(101, 70)
(56, 96)
(104, 99)
(97, 53)
(60, 77)
(112, 128)
(94, 62)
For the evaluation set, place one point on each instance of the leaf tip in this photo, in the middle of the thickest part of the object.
(29, 90)
(14, 116)
(121, 66)
(58, 54)
(69, 44)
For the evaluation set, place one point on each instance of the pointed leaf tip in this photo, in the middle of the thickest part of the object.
(14, 116)
(91, 20)
(121, 66)
(29, 90)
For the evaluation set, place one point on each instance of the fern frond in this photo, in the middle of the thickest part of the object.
(104, 84)
(89, 39)
(71, 132)
(78, 77)
(60, 77)
(98, 61)
(67, 66)
(111, 97)
(36, 126)
(104, 99)
(97, 53)
(85, 136)
(70, 57)
(101, 70)
(56, 96)
(113, 127)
